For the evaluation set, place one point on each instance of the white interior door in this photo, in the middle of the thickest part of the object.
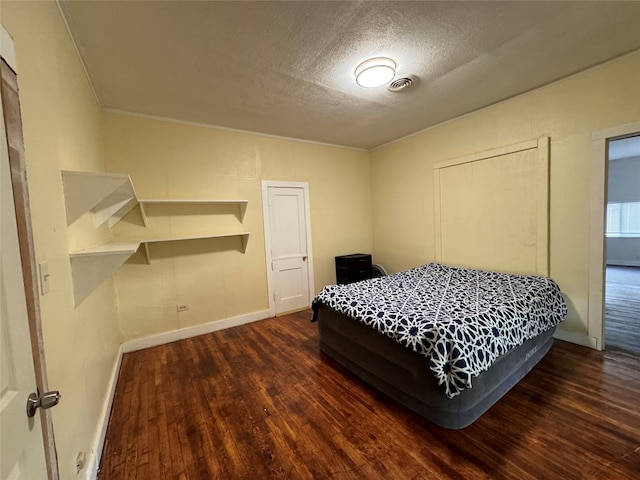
(289, 248)
(21, 442)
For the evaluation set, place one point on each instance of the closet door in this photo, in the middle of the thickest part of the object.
(492, 210)
(289, 253)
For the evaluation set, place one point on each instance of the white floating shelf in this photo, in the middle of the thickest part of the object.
(117, 248)
(109, 195)
(242, 205)
(244, 237)
(91, 266)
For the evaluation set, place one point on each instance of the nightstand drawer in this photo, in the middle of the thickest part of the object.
(352, 268)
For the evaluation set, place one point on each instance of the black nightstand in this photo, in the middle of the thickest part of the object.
(354, 267)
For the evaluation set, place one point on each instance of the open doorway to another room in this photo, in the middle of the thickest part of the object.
(622, 254)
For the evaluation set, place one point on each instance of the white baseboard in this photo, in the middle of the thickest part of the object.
(576, 337)
(93, 462)
(188, 332)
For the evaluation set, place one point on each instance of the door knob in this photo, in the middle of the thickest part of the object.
(44, 401)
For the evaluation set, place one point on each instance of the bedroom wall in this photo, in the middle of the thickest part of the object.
(172, 160)
(568, 112)
(62, 130)
(624, 186)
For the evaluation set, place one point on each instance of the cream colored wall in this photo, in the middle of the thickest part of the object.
(62, 130)
(172, 160)
(568, 112)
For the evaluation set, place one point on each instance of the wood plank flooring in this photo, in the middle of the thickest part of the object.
(622, 309)
(260, 401)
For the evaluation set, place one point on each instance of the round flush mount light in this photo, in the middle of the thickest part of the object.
(375, 72)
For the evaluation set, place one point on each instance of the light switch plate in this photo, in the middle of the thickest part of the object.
(44, 277)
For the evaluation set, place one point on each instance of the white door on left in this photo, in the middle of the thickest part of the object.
(289, 248)
(21, 443)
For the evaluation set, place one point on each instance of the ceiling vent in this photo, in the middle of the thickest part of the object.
(402, 83)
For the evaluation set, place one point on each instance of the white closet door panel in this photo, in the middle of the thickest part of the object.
(493, 212)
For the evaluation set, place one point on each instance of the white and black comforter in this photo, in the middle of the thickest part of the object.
(461, 319)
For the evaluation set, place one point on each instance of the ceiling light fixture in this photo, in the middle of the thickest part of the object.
(375, 72)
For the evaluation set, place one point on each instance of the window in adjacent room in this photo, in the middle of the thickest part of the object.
(623, 219)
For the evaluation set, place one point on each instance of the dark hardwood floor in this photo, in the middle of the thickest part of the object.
(260, 402)
(622, 309)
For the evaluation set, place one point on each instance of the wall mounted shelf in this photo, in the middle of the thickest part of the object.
(244, 237)
(242, 205)
(109, 195)
(116, 248)
(89, 267)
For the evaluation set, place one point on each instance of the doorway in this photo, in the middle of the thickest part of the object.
(622, 246)
(600, 141)
(287, 229)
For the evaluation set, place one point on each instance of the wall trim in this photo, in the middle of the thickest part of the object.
(492, 153)
(194, 331)
(159, 118)
(577, 338)
(501, 102)
(91, 469)
(91, 472)
(61, 10)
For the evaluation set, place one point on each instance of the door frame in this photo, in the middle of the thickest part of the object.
(28, 259)
(266, 184)
(597, 258)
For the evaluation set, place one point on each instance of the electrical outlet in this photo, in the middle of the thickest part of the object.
(183, 308)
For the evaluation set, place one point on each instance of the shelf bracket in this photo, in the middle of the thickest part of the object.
(242, 206)
(89, 269)
(109, 195)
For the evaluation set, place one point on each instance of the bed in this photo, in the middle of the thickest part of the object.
(446, 342)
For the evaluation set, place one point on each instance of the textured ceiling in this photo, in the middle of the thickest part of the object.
(286, 68)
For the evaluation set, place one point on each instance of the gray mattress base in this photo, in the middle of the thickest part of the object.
(405, 375)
